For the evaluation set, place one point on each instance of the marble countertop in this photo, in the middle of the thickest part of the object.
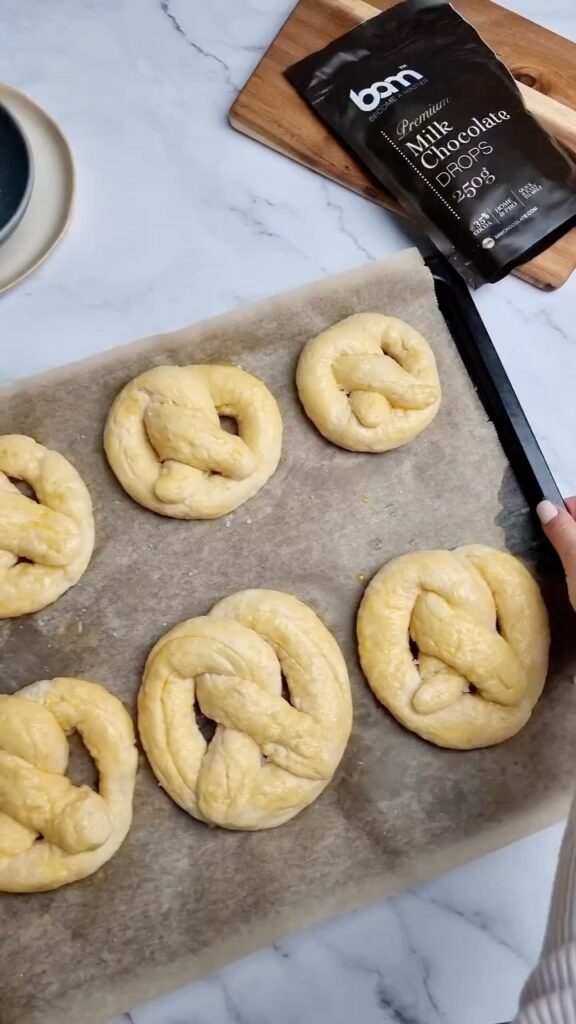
(178, 218)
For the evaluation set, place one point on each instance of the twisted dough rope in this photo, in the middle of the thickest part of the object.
(268, 758)
(164, 441)
(81, 829)
(481, 628)
(55, 534)
(369, 383)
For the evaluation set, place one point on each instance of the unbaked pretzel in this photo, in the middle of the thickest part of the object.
(369, 383)
(45, 545)
(268, 758)
(480, 625)
(164, 440)
(81, 829)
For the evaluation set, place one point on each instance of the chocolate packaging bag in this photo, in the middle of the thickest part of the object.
(438, 119)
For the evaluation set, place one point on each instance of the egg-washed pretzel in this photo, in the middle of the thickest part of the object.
(480, 625)
(45, 545)
(269, 757)
(165, 443)
(369, 383)
(81, 829)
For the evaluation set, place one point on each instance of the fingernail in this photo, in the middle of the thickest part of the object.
(546, 512)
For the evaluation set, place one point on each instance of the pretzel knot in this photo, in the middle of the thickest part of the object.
(81, 828)
(480, 625)
(369, 383)
(268, 757)
(165, 443)
(45, 545)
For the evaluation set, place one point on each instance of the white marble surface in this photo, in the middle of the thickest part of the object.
(177, 218)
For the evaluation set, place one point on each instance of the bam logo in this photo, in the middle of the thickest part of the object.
(368, 99)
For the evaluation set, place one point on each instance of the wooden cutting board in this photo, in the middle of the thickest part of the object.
(270, 110)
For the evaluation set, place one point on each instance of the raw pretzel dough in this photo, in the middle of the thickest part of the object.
(164, 440)
(369, 383)
(267, 759)
(82, 829)
(481, 628)
(55, 533)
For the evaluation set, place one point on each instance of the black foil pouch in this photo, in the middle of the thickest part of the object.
(438, 119)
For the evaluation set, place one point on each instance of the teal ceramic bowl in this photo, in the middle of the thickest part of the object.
(16, 174)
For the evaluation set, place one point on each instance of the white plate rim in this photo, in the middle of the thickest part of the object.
(6, 93)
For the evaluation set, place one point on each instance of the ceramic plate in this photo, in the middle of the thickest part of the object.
(50, 206)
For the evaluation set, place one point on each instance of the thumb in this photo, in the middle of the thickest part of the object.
(560, 529)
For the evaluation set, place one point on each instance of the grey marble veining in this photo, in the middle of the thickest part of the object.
(455, 951)
(177, 218)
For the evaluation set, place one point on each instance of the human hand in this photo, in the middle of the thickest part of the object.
(559, 526)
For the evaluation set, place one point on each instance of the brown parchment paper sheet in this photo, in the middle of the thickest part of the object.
(179, 898)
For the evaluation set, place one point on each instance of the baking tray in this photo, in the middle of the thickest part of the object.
(180, 899)
(493, 385)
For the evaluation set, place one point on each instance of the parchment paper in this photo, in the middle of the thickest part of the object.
(179, 898)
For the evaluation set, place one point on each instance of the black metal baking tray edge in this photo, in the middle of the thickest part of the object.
(492, 383)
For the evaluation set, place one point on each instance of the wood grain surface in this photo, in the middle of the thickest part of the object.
(270, 110)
